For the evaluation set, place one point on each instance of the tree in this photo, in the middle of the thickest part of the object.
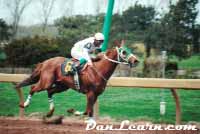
(4, 31)
(4, 36)
(135, 23)
(121, 6)
(26, 52)
(16, 8)
(97, 5)
(47, 7)
(138, 18)
(179, 24)
(151, 38)
(196, 39)
(68, 6)
(73, 29)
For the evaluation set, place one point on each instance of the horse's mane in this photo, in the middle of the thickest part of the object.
(97, 58)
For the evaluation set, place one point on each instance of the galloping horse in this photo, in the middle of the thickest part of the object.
(93, 79)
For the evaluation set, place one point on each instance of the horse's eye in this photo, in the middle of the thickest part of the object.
(124, 52)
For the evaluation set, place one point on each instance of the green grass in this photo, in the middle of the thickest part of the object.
(191, 63)
(119, 103)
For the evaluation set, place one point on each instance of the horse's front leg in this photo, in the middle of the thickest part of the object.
(91, 99)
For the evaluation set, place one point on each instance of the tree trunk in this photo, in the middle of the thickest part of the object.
(148, 50)
(196, 41)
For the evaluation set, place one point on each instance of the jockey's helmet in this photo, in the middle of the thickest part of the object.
(99, 36)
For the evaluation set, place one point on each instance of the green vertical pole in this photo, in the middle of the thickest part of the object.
(107, 24)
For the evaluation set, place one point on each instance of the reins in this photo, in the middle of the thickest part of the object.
(95, 69)
(118, 58)
(111, 60)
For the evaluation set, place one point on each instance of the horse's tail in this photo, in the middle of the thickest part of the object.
(33, 78)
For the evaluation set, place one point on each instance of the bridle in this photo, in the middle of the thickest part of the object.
(120, 60)
(119, 57)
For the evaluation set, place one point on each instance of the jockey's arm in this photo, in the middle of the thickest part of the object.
(98, 57)
(98, 50)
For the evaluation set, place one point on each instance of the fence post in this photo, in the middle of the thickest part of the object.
(178, 107)
(21, 100)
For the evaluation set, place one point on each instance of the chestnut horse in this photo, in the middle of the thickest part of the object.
(93, 79)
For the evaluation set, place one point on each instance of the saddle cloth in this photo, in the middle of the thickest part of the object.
(67, 67)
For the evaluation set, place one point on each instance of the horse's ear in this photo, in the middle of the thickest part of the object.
(116, 42)
(122, 43)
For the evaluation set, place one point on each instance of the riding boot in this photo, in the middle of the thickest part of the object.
(78, 65)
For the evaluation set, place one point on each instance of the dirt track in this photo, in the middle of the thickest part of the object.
(36, 126)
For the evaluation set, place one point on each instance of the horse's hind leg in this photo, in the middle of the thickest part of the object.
(43, 84)
(34, 88)
(57, 89)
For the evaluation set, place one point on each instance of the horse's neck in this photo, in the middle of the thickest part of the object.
(106, 67)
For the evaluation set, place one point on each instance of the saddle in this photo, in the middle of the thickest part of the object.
(68, 68)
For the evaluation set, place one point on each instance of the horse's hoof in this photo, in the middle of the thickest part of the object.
(71, 111)
(50, 113)
(85, 113)
(90, 120)
(78, 113)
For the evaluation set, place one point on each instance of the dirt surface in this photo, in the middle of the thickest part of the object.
(69, 126)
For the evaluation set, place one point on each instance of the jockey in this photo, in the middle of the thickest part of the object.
(83, 48)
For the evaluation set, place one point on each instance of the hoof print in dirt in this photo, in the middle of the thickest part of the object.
(53, 120)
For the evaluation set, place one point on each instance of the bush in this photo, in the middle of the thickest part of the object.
(29, 51)
(171, 69)
(152, 67)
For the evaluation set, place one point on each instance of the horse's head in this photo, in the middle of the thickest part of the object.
(125, 55)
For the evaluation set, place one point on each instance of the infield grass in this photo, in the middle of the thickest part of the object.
(117, 103)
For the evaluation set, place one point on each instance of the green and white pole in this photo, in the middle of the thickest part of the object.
(107, 24)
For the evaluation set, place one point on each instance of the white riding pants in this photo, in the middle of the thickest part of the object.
(79, 54)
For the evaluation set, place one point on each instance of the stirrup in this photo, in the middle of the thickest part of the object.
(76, 65)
